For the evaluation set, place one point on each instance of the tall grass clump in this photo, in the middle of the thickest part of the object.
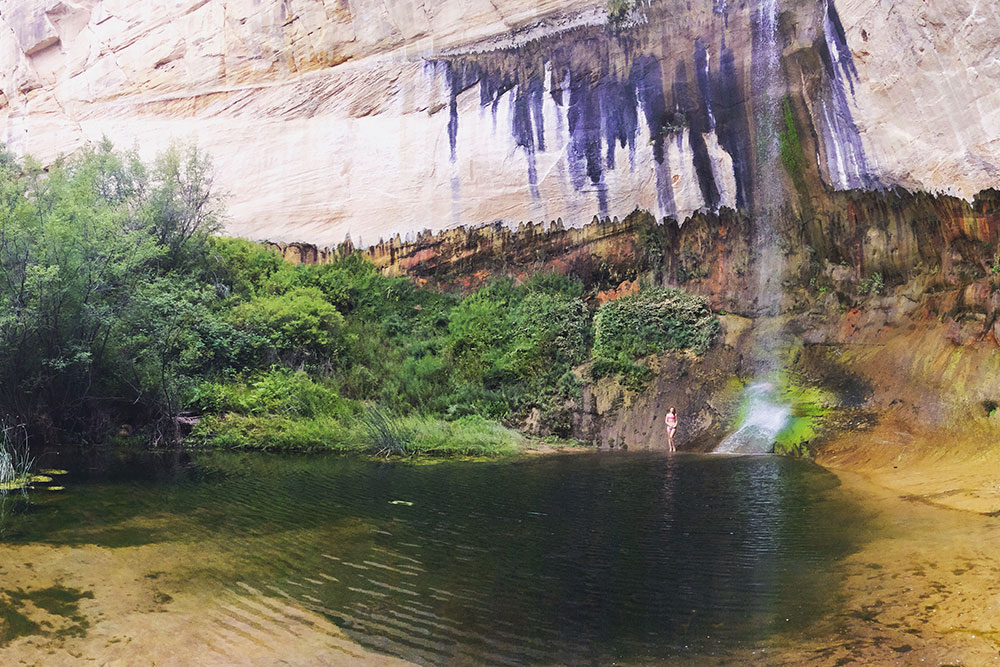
(471, 435)
(386, 435)
(15, 458)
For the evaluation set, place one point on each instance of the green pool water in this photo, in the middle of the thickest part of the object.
(575, 559)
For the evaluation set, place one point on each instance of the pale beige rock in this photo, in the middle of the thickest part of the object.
(928, 106)
(324, 118)
(32, 28)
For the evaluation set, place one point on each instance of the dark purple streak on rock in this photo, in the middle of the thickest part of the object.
(620, 115)
(584, 115)
(697, 121)
(647, 82)
(646, 79)
(732, 125)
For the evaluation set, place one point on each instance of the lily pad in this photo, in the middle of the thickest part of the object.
(54, 471)
(21, 482)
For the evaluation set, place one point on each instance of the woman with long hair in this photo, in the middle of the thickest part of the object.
(671, 421)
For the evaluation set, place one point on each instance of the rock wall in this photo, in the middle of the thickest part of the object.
(891, 300)
(335, 117)
(848, 237)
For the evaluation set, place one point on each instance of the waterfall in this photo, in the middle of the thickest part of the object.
(765, 415)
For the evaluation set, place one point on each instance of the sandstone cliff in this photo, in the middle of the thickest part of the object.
(329, 117)
(890, 300)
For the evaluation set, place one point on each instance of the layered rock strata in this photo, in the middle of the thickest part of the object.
(891, 300)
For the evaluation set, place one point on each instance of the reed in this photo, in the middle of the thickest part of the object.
(15, 458)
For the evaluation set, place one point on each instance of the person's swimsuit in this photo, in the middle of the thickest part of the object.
(671, 424)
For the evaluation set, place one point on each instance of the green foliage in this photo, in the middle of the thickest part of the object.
(652, 321)
(809, 410)
(689, 268)
(242, 268)
(276, 392)
(119, 306)
(181, 208)
(618, 10)
(81, 249)
(274, 433)
(386, 435)
(300, 327)
(793, 157)
(873, 284)
(790, 148)
(372, 431)
(478, 331)
(510, 346)
(468, 436)
(652, 242)
(274, 410)
(809, 406)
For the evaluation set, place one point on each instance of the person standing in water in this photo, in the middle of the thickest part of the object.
(671, 421)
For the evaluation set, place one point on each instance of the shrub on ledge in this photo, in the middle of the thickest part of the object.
(653, 321)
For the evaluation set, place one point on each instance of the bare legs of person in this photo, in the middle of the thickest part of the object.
(670, 440)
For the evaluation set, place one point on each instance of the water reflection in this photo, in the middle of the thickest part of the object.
(565, 559)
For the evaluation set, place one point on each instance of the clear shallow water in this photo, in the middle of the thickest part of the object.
(567, 559)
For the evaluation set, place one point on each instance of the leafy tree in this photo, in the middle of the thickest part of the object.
(300, 327)
(118, 305)
(78, 244)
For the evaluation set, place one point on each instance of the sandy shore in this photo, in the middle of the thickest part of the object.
(158, 604)
(924, 589)
(952, 468)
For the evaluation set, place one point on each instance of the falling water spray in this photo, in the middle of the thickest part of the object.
(764, 415)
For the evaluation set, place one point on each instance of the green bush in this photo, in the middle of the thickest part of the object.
(424, 384)
(242, 269)
(275, 410)
(508, 346)
(650, 322)
(277, 392)
(479, 331)
(655, 320)
(300, 326)
(549, 333)
(274, 433)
